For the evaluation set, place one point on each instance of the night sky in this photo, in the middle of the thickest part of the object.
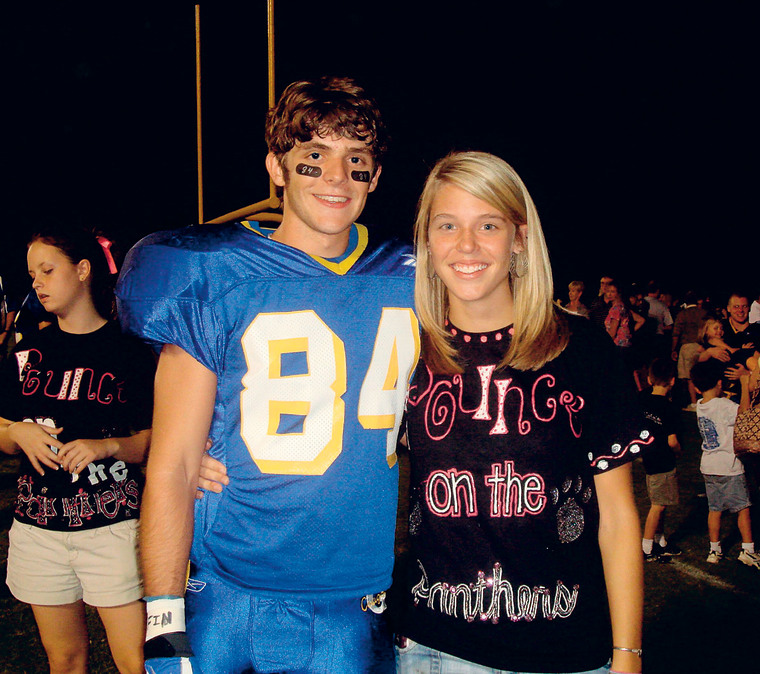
(628, 121)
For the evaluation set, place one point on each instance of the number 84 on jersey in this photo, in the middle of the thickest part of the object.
(293, 412)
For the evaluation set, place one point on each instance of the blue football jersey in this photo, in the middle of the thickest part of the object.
(312, 358)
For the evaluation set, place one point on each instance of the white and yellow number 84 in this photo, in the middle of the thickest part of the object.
(311, 399)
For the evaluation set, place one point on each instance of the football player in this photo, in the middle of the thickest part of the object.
(292, 349)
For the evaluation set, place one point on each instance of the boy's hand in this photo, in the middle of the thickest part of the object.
(736, 372)
(36, 441)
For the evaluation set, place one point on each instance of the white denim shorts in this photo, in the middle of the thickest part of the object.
(52, 568)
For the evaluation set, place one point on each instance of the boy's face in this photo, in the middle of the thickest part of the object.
(325, 185)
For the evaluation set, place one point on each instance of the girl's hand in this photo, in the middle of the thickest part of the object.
(212, 475)
(76, 455)
(36, 440)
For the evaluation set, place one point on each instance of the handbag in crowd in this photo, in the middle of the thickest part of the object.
(747, 429)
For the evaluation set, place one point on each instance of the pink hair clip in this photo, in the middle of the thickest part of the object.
(106, 246)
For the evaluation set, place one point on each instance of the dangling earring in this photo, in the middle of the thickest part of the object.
(431, 273)
(518, 264)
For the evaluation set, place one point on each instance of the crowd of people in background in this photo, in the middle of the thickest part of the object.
(647, 322)
(700, 355)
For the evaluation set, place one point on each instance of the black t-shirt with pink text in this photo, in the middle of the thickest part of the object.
(94, 386)
(504, 567)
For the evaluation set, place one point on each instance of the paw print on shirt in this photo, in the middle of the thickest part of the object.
(570, 519)
(415, 519)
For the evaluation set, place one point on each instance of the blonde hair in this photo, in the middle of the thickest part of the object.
(709, 322)
(540, 333)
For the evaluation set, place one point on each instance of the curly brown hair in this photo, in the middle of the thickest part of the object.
(331, 105)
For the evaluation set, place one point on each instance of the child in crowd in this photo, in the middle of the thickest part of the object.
(723, 472)
(660, 459)
(711, 341)
(713, 345)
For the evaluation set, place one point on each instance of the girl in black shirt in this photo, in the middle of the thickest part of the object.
(76, 401)
(521, 426)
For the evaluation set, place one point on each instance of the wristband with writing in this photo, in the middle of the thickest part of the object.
(167, 648)
(165, 614)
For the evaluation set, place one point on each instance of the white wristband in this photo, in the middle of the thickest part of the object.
(165, 614)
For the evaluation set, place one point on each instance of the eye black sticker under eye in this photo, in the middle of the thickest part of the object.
(306, 170)
(360, 176)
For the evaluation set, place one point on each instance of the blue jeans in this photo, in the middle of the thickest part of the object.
(415, 658)
(235, 631)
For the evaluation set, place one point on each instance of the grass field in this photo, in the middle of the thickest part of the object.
(698, 617)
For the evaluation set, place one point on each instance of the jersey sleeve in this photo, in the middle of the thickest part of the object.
(614, 425)
(165, 295)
